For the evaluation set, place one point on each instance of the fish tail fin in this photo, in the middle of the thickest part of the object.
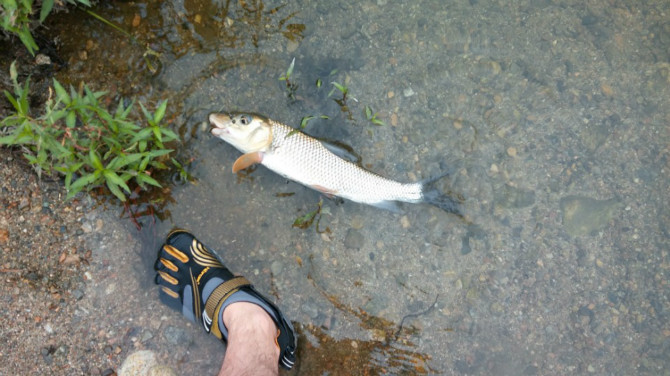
(432, 195)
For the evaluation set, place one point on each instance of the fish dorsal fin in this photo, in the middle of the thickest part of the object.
(341, 151)
(247, 160)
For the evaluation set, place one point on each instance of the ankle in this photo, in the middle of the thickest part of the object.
(245, 316)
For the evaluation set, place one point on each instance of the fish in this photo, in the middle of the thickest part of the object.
(299, 157)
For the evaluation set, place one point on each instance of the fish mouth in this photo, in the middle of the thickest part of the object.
(219, 123)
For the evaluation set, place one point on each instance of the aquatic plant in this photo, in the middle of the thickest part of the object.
(78, 138)
(305, 221)
(291, 87)
(343, 89)
(372, 117)
(303, 123)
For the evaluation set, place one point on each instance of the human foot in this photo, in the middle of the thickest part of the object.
(195, 282)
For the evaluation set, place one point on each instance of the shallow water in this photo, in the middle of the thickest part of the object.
(552, 117)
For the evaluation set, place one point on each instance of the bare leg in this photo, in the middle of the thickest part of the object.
(252, 348)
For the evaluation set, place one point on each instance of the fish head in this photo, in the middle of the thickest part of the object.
(246, 132)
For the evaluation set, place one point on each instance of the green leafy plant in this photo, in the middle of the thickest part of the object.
(372, 117)
(15, 18)
(89, 146)
(291, 87)
(343, 89)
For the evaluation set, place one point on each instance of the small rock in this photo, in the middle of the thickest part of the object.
(23, 203)
(357, 222)
(494, 168)
(310, 309)
(42, 59)
(146, 335)
(607, 90)
(408, 92)
(86, 227)
(404, 222)
(291, 46)
(496, 308)
(276, 267)
(177, 336)
(77, 294)
(161, 370)
(512, 197)
(583, 215)
(511, 151)
(138, 363)
(4, 235)
(354, 239)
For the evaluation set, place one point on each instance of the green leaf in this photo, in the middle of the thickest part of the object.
(160, 112)
(145, 162)
(147, 115)
(379, 122)
(71, 119)
(95, 160)
(116, 191)
(159, 136)
(145, 178)
(13, 101)
(23, 99)
(343, 89)
(142, 135)
(111, 176)
(368, 112)
(27, 39)
(121, 161)
(13, 74)
(169, 135)
(158, 153)
(47, 5)
(305, 120)
(289, 72)
(61, 93)
(80, 183)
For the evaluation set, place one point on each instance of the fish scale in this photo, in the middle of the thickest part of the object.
(304, 159)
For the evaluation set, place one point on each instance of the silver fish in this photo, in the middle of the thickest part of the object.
(303, 159)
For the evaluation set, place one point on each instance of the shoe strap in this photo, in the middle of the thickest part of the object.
(219, 295)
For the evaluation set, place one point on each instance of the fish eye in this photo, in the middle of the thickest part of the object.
(245, 119)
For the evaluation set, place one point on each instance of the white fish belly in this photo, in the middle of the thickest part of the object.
(305, 160)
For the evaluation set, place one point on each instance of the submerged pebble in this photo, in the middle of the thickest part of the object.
(177, 336)
(583, 215)
(354, 239)
(138, 363)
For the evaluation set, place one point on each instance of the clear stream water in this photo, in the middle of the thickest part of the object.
(551, 117)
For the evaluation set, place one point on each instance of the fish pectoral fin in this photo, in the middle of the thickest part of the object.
(330, 193)
(247, 160)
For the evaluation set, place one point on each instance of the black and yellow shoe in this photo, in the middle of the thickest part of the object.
(194, 281)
